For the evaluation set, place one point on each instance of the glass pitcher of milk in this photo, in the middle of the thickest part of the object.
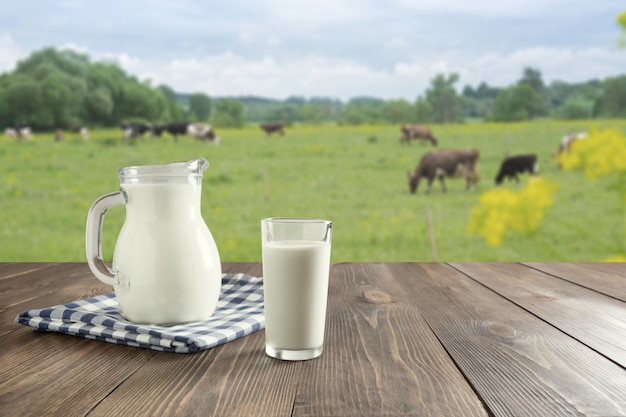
(166, 267)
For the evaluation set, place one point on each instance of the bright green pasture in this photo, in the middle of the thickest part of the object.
(355, 176)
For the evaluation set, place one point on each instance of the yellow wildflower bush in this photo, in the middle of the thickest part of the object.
(601, 153)
(501, 210)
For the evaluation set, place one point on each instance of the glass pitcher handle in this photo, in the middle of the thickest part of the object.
(95, 220)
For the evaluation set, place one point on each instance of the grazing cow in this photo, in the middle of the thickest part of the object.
(568, 140)
(517, 164)
(134, 130)
(157, 130)
(417, 132)
(442, 163)
(273, 127)
(177, 128)
(83, 131)
(10, 133)
(202, 131)
(22, 131)
(59, 135)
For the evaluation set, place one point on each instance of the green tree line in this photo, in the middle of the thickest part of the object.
(61, 89)
(529, 98)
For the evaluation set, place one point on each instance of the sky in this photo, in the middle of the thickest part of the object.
(340, 49)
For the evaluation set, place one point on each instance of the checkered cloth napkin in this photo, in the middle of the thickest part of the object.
(239, 312)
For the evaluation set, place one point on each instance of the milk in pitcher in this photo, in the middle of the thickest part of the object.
(164, 225)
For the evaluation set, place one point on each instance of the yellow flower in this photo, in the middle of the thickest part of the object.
(501, 210)
(600, 153)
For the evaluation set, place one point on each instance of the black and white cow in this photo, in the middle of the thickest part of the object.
(134, 130)
(177, 128)
(21, 131)
(203, 132)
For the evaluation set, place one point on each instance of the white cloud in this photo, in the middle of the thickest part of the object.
(336, 48)
(10, 53)
(73, 47)
(554, 64)
(232, 74)
(396, 43)
(274, 41)
(490, 8)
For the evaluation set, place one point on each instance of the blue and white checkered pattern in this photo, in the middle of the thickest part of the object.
(239, 312)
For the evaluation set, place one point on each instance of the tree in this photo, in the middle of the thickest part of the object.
(576, 107)
(423, 110)
(288, 113)
(228, 113)
(532, 78)
(362, 110)
(18, 99)
(523, 101)
(478, 103)
(446, 103)
(511, 104)
(613, 100)
(200, 106)
(398, 111)
(174, 112)
(60, 89)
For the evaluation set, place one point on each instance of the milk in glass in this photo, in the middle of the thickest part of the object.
(295, 279)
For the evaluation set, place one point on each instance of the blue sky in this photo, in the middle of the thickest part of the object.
(330, 48)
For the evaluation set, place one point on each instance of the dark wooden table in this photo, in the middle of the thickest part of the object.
(418, 339)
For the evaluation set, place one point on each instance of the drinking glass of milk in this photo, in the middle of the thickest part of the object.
(296, 264)
(166, 268)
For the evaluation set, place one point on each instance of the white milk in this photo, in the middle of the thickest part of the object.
(295, 280)
(165, 257)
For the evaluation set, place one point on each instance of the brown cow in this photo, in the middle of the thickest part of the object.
(273, 127)
(417, 132)
(442, 163)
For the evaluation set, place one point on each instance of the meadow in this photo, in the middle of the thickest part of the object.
(352, 175)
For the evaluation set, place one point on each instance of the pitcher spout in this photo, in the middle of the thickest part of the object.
(173, 172)
(197, 166)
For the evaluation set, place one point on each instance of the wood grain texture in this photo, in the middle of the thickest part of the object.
(402, 339)
(518, 364)
(586, 315)
(607, 278)
(381, 358)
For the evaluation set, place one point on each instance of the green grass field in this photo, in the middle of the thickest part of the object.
(354, 176)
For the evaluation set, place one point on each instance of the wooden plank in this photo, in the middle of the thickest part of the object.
(607, 278)
(380, 356)
(402, 339)
(10, 269)
(62, 375)
(590, 317)
(37, 366)
(344, 381)
(54, 374)
(45, 287)
(518, 364)
(235, 379)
